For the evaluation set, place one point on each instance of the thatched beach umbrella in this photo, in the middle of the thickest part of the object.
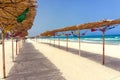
(11, 13)
(20, 27)
(97, 25)
(68, 28)
(91, 25)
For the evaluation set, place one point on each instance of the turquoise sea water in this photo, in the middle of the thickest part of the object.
(109, 39)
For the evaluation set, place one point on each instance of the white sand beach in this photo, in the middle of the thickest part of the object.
(88, 66)
(110, 50)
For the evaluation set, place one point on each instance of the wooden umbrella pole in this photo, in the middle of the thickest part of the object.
(16, 46)
(59, 41)
(36, 38)
(21, 44)
(50, 41)
(103, 39)
(79, 43)
(12, 49)
(54, 41)
(3, 55)
(67, 43)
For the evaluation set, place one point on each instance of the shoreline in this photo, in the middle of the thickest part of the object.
(87, 41)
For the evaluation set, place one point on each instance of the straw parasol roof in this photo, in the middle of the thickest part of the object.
(90, 25)
(17, 14)
(68, 28)
(98, 24)
(46, 33)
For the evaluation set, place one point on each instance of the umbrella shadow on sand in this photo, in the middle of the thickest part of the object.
(33, 65)
(111, 62)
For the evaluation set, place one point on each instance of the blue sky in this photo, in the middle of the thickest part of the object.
(53, 14)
